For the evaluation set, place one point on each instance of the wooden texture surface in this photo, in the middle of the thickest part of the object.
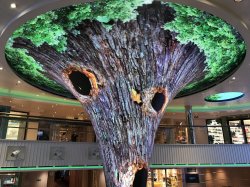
(138, 55)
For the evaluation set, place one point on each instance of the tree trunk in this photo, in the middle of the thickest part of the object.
(132, 72)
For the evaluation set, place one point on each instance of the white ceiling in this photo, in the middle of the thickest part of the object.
(24, 97)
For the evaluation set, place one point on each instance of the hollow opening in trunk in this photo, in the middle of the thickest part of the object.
(141, 177)
(158, 101)
(80, 82)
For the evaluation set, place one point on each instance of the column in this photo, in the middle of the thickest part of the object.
(4, 122)
(190, 124)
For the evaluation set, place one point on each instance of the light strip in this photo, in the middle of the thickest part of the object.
(59, 100)
(152, 166)
(41, 98)
(242, 106)
(46, 168)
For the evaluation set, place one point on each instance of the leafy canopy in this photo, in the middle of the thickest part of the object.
(214, 97)
(222, 45)
(52, 27)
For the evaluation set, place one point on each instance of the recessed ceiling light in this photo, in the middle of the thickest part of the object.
(18, 82)
(13, 5)
(1, 68)
(238, 1)
(233, 78)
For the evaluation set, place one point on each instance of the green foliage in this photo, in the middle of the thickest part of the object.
(52, 28)
(221, 44)
(105, 11)
(75, 14)
(214, 97)
(43, 29)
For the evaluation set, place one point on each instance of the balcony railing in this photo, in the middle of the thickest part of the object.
(48, 155)
(24, 127)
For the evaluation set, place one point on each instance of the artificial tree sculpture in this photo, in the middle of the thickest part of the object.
(124, 73)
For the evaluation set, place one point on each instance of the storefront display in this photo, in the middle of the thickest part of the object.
(165, 178)
(9, 180)
(13, 130)
(150, 180)
(74, 133)
(215, 133)
(236, 131)
(181, 135)
(247, 129)
(16, 128)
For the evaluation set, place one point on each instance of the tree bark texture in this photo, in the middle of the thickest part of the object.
(138, 56)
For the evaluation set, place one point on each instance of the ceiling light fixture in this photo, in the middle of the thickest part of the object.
(13, 5)
(233, 78)
(237, 1)
(224, 96)
(1, 68)
(18, 82)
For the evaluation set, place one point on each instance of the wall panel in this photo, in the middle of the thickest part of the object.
(38, 153)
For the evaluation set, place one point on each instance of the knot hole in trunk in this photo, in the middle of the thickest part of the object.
(80, 82)
(158, 101)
